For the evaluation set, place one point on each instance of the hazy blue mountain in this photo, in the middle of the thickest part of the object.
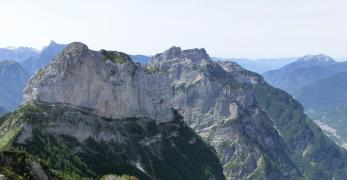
(259, 65)
(319, 84)
(326, 102)
(327, 92)
(142, 59)
(12, 81)
(2, 111)
(17, 54)
(302, 72)
(33, 64)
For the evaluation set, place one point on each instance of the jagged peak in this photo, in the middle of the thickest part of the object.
(176, 52)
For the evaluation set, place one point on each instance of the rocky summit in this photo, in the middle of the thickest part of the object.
(95, 113)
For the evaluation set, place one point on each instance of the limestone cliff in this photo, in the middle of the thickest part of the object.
(107, 82)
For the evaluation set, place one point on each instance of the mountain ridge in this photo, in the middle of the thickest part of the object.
(257, 131)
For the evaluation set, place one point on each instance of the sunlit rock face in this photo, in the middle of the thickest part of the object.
(114, 88)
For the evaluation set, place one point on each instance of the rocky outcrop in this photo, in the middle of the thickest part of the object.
(114, 87)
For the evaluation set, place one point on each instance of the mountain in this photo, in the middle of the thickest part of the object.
(17, 54)
(221, 108)
(94, 113)
(326, 92)
(259, 65)
(318, 83)
(311, 150)
(325, 101)
(302, 72)
(142, 59)
(2, 111)
(34, 63)
(333, 121)
(12, 81)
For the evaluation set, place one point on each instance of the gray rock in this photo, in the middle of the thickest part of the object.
(218, 104)
(85, 78)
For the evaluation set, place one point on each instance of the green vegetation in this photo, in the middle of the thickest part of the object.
(170, 157)
(151, 70)
(8, 137)
(115, 177)
(116, 57)
(16, 165)
(335, 117)
(324, 158)
(233, 166)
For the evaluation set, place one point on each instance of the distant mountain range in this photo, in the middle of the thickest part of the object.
(311, 77)
(34, 63)
(12, 81)
(15, 72)
(17, 54)
(319, 83)
(259, 65)
(142, 59)
(302, 72)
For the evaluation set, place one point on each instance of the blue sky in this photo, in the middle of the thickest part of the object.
(226, 28)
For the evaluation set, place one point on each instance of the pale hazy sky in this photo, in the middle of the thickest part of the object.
(226, 28)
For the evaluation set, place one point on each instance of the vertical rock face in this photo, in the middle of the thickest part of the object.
(114, 87)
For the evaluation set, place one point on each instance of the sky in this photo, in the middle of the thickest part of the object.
(225, 28)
